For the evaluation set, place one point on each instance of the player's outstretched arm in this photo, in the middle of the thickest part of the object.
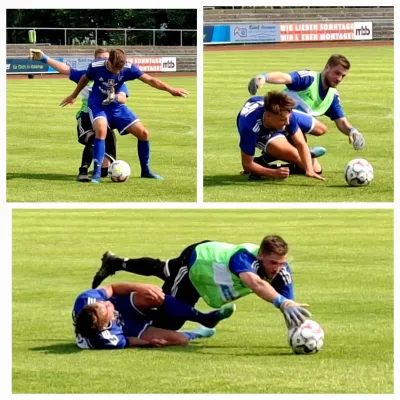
(38, 55)
(71, 98)
(355, 137)
(149, 292)
(160, 85)
(293, 312)
(257, 82)
(253, 168)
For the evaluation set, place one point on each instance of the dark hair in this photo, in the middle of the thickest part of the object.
(100, 51)
(278, 102)
(88, 321)
(117, 58)
(274, 244)
(338, 59)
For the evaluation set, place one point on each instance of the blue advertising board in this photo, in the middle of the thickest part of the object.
(216, 34)
(23, 66)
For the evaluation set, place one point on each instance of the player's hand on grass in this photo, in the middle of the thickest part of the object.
(313, 174)
(294, 313)
(179, 92)
(110, 98)
(68, 101)
(281, 173)
(36, 54)
(356, 139)
(151, 292)
(257, 82)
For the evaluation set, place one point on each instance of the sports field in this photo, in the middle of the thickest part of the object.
(343, 267)
(367, 99)
(43, 154)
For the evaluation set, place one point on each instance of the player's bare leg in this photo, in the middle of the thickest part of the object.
(319, 129)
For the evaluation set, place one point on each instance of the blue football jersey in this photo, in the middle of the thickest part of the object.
(253, 133)
(103, 79)
(244, 261)
(111, 337)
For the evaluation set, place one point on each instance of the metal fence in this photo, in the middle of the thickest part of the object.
(104, 36)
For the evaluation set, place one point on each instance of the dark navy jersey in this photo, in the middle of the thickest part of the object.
(253, 133)
(103, 79)
(244, 261)
(301, 80)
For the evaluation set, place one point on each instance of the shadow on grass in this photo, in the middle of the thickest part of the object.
(46, 177)
(201, 349)
(242, 180)
(58, 348)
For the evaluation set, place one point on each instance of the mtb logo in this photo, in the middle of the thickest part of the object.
(363, 31)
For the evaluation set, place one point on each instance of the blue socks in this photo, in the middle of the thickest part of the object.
(99, 150)
(144, 156)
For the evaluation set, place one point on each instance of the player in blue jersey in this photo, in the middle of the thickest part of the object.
(120, 315)
(108, 77)
(262, 269)
(271, 124)
(84, 125)
(315, 93)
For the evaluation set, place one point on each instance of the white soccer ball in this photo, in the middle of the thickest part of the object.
(119, 171)
(358, 172)
(307, 338)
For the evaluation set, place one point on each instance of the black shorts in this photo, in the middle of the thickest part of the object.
(86, 135)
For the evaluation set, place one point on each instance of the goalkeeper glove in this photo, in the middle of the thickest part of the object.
(37, 55)
(110, 98)
(356, 139)
(293, 312)
(257, 82)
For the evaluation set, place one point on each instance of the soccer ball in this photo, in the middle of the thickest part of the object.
(307, 338)
(119, 171)
(358, 172)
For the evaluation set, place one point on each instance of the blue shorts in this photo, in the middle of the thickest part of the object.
(306, 122)
(119, 116)
(135, 321)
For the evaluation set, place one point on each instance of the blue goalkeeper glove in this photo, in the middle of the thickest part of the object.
(293, 312)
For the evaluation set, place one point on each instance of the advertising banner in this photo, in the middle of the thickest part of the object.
(325, 31)
(22, 66)
(362, 30)
(255, 33)
(216, 34)
(78, 62)
(155, 64)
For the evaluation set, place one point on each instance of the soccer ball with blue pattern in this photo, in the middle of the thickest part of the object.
(358, 172)
(119, 171)
(307, 338)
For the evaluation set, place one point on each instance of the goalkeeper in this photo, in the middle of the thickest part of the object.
(315, 93)
(218, 273)
(84, 127)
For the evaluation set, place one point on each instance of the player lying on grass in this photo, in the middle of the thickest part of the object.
(315, 93)
(272, 125)
(218, 273)
(120, 315)
(84, 128)
(108, 77)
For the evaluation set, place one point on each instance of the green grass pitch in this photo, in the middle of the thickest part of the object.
(43, 154)
(342, 262)
(367, 99)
